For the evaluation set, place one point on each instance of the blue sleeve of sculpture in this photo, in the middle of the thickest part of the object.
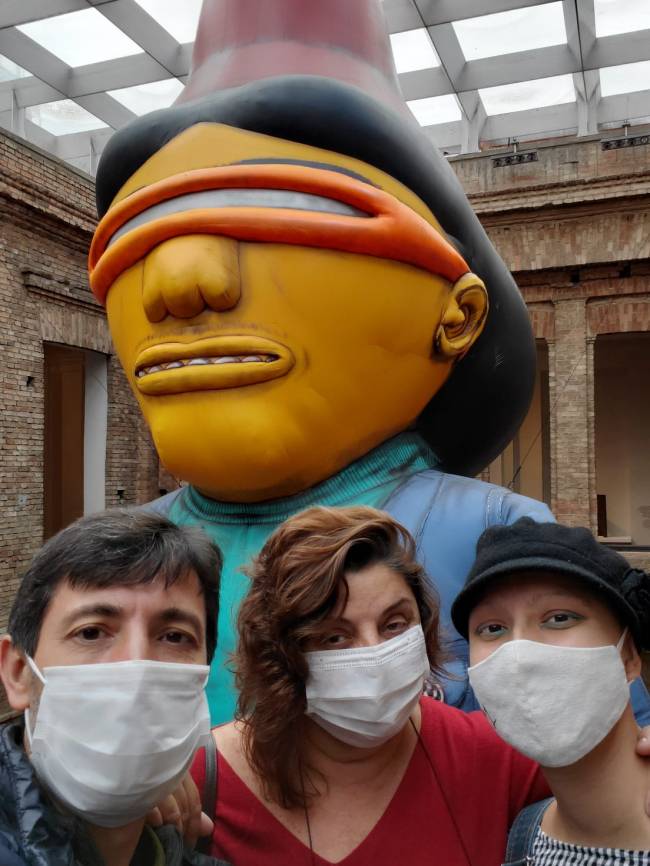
(515, 506)
(640, 702)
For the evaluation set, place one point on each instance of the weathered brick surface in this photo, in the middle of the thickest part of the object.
(618, 315)
(574, 227)
(47, 217)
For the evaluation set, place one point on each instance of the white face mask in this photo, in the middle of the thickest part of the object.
(111, 740)
(365, 695)
(552, 703)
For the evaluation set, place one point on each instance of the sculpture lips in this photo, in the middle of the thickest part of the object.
(212, 364)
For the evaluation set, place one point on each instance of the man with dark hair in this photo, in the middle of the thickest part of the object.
(110, 635)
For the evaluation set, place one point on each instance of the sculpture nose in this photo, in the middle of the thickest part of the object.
(184, 275)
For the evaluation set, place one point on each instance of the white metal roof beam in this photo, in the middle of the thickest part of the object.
(401, 15)
(114, 74)
(28, 54)
(619, 49)
(448, 50)
(474, 120)
(587, 87)
(151, 36)
(81, 143)
(27, 91)
(532, 123)
(445, 11)
(13, 12)
(626, 106)
(425, 82)
(585, 20)
(106, 108)
(519, 66)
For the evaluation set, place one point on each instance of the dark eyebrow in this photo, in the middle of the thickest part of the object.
(400, 603)
(106, 611)
(178, 615)
(567, 593)
(405, 600)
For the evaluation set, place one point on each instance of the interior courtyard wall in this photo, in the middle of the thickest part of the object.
(47, 215)
(573, 226)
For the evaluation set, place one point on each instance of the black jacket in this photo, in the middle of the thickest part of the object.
(34, 833)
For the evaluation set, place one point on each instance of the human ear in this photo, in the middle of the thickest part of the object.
(631, 659)
(15, 674)
(463, 317)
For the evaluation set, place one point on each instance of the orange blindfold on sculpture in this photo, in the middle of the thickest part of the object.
(385, 227)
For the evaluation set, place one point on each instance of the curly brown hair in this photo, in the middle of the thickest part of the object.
(297, 581)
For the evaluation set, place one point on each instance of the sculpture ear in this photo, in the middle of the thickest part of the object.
(463, 317)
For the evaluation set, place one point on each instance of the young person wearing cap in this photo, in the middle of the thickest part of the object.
(555, 623)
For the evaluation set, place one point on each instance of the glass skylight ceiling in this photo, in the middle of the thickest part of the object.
(413, 50)
(10, 71)
(78, 38)
(64, 117)
(511, 31)
(435, 109)
(526, 95)
(148, 97)
(621, 16)
(521, 72)
(630, 78)
(178, 17)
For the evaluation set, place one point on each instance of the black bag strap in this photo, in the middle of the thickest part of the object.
(523, 832)
(209, 793)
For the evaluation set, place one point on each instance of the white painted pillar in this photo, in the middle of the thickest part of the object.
(95, 423)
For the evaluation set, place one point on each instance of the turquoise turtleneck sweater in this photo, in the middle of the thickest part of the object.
(240, 530)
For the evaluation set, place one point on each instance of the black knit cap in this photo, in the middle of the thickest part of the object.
(527, 546)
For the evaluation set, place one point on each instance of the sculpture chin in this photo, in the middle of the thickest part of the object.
(251, 456)
(243, 451)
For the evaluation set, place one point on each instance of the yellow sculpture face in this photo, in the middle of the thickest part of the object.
(263, 368)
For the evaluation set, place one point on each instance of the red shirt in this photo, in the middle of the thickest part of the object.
(485, 784)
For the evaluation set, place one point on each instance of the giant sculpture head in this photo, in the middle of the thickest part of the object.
(292, 273)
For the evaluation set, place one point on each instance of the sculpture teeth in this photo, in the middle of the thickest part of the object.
(202, 362)
(227, 359)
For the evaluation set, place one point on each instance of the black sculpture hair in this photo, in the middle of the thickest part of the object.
(477, 412)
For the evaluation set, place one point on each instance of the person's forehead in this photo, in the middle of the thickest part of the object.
(147, 599)
(533, 586)
(375, 587)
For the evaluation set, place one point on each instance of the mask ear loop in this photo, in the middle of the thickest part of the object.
(28, 726)
(621, 640)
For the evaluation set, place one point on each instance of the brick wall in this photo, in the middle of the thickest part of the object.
(47, 215)
(574, 227)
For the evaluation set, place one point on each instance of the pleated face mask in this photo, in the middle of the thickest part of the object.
(110, 741)
(552, 703)
(364, 696)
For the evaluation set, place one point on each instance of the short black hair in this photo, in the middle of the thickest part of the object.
(115, 548)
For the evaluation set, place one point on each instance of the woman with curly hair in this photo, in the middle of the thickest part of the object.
(336, 756)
